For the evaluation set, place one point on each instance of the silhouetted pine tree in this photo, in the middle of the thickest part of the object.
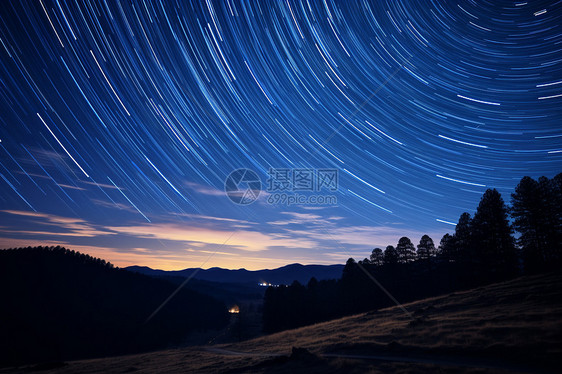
(526, 210)
(405, 250)
(390, 256)
(352, 281)
(536, 208)
(377, 257)
(349, 269)
(465, 252)
(551, 196)
(497, 256)
(448, 248)
(426, 248)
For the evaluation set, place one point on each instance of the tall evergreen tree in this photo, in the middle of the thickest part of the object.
(492, 236)
(551, 197)
(426, 248)
(377, 257)
(406, 250)
(448, 248)
(349, 269)
(536, 208)
(390, 256)
(465, 252)
(556, 206)
(526, 211)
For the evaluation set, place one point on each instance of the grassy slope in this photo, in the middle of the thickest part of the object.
(515, 325)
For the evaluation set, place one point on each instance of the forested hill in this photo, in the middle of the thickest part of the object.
(59, 304)
(283, 275)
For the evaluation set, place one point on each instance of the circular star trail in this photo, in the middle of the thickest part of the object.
(145, 107)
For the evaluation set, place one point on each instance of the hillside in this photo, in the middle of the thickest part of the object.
(513, 326)
(62, 304)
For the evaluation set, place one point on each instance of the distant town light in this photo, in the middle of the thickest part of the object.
(267, 284)
(234, 309)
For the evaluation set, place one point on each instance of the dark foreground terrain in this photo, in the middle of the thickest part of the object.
(58, 304)
(514, 326)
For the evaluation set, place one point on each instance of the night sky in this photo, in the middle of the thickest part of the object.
(120, 121)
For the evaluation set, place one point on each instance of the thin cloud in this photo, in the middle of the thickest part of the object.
(305, 219)
(67, 186)
(205, 190)
(67, 226)
(213, 218)
(246, 240)
(114, 205)
(102, 185)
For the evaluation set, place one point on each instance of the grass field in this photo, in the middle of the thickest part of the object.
(514, 326)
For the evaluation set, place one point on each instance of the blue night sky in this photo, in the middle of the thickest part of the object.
(120, 121)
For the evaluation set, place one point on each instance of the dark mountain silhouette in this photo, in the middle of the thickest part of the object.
(59, 304)
(283, 275)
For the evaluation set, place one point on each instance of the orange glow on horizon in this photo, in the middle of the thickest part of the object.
(167, 261)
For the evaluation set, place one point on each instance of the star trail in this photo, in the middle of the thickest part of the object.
(120, 121)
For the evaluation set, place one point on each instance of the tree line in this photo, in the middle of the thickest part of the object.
(498, 242)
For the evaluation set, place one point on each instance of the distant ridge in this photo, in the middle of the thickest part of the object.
(283, 275)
